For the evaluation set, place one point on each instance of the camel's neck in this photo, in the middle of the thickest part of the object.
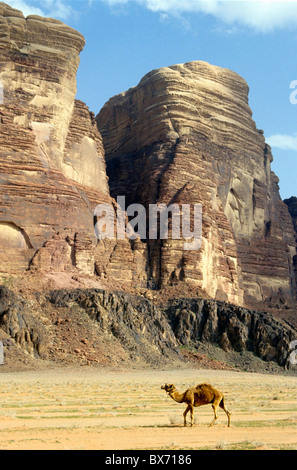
(176, 396)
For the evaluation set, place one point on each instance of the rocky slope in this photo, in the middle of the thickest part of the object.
(97, 327)
(233, 328)
(185, 135)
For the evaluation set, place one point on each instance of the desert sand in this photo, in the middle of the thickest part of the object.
(86, 409)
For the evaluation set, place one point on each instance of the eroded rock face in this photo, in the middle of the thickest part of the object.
(292, 206)
(38, 63)
(53, 171)
(139, 327)
(20, 323)
(152, 331)
(185, 135)
(233, 328)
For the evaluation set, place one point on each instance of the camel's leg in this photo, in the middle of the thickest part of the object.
(192, 414)
(185, 414)
(222, 405)
(215, 405)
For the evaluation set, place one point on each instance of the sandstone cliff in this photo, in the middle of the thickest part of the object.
(51, 155)
(292, 206)
(185, 135)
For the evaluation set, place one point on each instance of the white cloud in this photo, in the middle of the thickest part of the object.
(283, 141)
(51, 8)
(25, 7)
(259, 15)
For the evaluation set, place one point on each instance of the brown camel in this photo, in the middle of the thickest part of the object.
(203, 394)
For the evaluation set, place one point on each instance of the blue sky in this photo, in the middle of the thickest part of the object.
(125, 39)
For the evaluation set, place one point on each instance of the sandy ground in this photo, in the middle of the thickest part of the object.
(126, 409)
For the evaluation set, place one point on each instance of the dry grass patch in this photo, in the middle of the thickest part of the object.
(100, 409)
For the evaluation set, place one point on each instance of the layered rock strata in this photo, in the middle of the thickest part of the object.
(292, 206)
(51, 154)
(185, 135)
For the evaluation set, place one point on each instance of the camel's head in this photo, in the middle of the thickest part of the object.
(168, 388)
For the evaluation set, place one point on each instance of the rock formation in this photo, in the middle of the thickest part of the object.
(51, 155)
(185, 135)
(292, 206)
(97, 326)
(233, 328)
(21, 324)
(136, 324)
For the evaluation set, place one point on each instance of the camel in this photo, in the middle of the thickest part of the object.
(203, 394)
